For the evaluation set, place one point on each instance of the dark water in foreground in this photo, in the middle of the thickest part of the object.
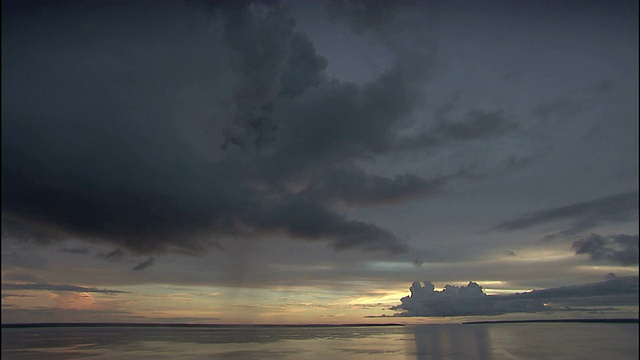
(470, 341)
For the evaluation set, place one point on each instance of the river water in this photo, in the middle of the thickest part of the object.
(456, 341)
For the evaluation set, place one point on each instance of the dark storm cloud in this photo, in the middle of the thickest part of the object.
(303, 68)
(620, 248)
(471, 299)
(585, 215)
(259, 37)
(161, 128)
(60, 287)
(86, 147)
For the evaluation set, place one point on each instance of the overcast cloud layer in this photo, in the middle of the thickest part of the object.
(218, 119)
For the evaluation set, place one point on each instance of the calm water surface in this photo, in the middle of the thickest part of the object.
(471, 341)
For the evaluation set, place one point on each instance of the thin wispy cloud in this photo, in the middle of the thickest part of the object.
(145, 264)
(60, 287)
(582, 216)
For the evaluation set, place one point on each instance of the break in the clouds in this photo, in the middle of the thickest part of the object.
(619, 248)
(582, 216)
(59, 287)
(471, 300)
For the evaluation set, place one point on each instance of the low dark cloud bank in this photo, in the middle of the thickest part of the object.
(59, 287)
(163, 127)
(471, 300)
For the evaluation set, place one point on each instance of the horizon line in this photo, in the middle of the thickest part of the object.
(130, 324)
(133, 324)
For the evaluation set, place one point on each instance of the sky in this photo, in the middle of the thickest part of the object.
(294, 162)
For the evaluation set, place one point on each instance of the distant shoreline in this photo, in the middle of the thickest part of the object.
(613, 321)
(179, 325)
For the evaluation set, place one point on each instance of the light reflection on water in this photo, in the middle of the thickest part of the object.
(472, 341)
